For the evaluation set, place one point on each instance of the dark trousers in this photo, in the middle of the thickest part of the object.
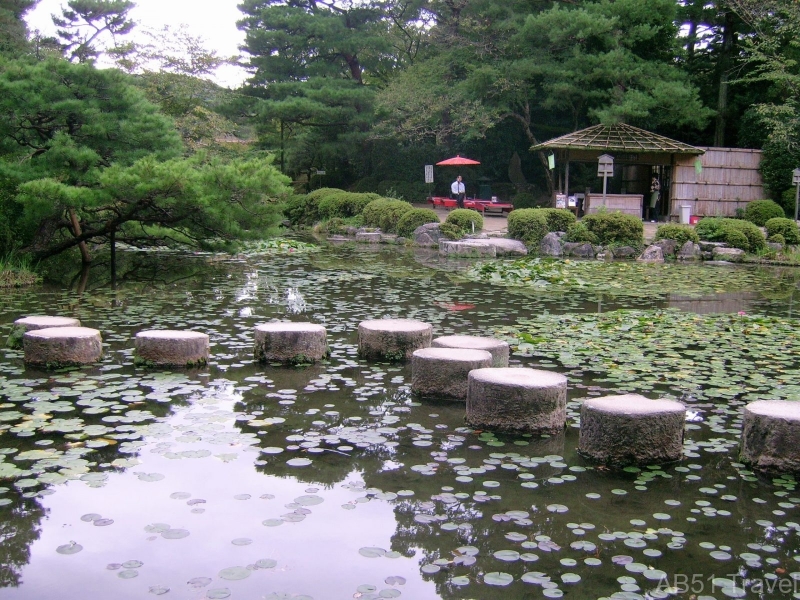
(460, 200)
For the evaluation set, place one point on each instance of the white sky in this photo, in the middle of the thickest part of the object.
(214, 21)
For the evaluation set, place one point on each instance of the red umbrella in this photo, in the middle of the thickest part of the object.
(456, 161)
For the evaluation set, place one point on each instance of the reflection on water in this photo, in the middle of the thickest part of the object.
(332, 481)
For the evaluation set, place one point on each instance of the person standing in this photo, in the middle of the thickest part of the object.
(655, 191)
(459, 190)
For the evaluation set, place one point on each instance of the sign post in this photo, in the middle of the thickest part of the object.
(796, 181)
(429, 179)
(605, 169)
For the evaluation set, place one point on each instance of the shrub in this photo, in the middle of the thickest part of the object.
(528, 225)
(464, 218)
(577, 232)
(784, 227)
(761, 211)
(385, 213)
(616, 228)
(339, 226)
(736, 239)
(412, 191)
(303, 210)
(727, 230)
(413, 219)
(451, 231)
(777, 239)
(300, 211)
(680, 233)
(558, 219)
(344, 204)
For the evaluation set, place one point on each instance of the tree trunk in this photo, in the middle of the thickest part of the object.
(728, 37)
(76, 230)
(112, 240)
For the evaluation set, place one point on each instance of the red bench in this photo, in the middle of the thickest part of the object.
(482, 206)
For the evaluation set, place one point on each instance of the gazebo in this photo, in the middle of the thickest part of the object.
(638, 154)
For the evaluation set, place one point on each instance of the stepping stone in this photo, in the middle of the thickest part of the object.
(392, 339)
(631, 429)
(517, 400)
(290, 343)
(37, 322)
(169, 348)
(497, 348)
(57, 347)
(444, 372)
(771, 436)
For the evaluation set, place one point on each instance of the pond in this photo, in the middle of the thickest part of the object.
(334, 481)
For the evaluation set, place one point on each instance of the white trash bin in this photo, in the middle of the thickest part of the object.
(686, 213)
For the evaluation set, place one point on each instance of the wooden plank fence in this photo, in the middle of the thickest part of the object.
(728, 179)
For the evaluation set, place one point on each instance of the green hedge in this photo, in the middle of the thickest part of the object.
(344, 204)
(528, 225)
(303, 210)
(577, 232)
(680, 233)
(784, 227)
(415, 218)
(451, 231)
(761, 211)
(730, 231)
(558, 219)
(385, 213)
(616, 229)
(464, 218)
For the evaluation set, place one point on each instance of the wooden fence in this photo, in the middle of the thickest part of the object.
(726, 179)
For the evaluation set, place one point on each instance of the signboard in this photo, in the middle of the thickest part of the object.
(428, 173)
(561, 201)
(320, 172)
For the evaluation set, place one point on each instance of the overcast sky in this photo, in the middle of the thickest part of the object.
(213, 21)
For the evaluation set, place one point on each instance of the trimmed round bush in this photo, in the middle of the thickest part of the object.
(680, 233)
(344, 204)
(451, 231)
(464, 218)
(785, 227)
(736, 239)
(761, 211)
(777, 239)
(558, 219)
(577, 232)
(300, 212)
(616, 228)
(385, 213)
(415, 218)
(528, 225)
(722, 230)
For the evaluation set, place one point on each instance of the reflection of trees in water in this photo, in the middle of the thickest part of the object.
(19, 528)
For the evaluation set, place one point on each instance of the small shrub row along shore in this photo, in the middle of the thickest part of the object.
(16, 271)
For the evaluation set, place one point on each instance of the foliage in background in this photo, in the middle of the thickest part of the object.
(761, 211)
(680, 233)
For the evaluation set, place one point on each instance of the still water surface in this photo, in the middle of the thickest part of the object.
(334, 481)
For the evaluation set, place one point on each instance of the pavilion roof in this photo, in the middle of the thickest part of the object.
(620, 138)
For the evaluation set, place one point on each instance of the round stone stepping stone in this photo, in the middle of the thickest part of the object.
(771, 436)
(56, 347)
(497, 348)
(171, 348)
(631, 429)
(290, 343)
(392, 339)
(37, 322)
(444, 372)
(517, 400)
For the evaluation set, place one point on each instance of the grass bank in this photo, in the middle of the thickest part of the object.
(17, 271)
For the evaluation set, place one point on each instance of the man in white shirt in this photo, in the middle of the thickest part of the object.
(459, 190)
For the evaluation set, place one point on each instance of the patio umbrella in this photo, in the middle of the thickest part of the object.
(457, 161)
